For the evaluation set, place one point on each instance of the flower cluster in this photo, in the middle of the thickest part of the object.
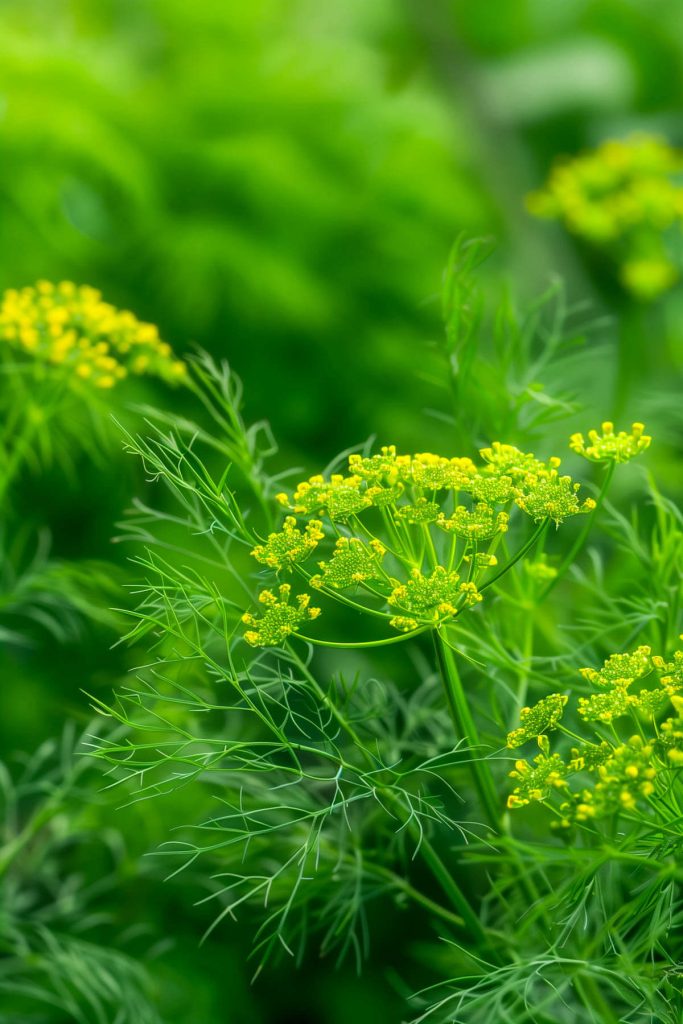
(290, 545)
(352, 562)
(71, 328)
(611, 447)
(543, 717)
(411, 538)
(429, 599)
(621, 197)
(617, 770)
(479, 523)
(280, 618)
(550, 496)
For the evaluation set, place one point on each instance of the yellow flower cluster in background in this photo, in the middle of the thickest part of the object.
(71, 328)
(621, 197)
(627, 758)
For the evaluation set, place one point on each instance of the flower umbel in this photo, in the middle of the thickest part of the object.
(414, 536)
(71, 328)
(431, 599)
(541, 718)
(353, 562)
(550, 496)
(611, 775)
(290, 545)
(611, 447)
(280, 618)
(622, 197)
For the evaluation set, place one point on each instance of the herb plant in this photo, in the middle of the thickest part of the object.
(338, 788)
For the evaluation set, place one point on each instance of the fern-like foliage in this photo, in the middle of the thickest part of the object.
(60, 956)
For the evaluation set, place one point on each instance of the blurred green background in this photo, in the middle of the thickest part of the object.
(280, 183)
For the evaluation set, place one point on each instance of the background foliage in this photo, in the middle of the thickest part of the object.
(282, 184)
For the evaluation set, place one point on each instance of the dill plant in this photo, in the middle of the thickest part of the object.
(606, 772)
(61, 957)
(63, 952)
(625, 199)
(337, 789)
(62, 349)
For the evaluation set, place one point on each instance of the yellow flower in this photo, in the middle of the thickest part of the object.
(73, 328)
(611, 447)
(280, 618)
(621, 197)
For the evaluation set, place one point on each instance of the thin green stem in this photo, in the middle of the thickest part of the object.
(581, 539)
(42, 817)
(413, 893)
(536, 535)
(431, 858)
(363, 643)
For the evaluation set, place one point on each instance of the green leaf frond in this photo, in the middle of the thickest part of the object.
(62, 955)
(45, 595)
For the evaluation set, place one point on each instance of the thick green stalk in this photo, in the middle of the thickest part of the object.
(451, 888)
(466, 729)
(481, 772)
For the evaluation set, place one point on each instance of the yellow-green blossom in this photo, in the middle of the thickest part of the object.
(506, 460)
(290, 545)
(341, 497)
(435, 472)
(605, 707)
(540, 571)
(672, 679)
(431, 599)
(280, 618)
(540, 718)
(550, 496)
(387, 468)
(353, 562)
(72, 329)
(478, 523)
(623, 778)
(536, 780)
(495, 490)
(422, 511)
(611, 447)
(606, 777)
(622, 198)
(400, 505)
(649, 278)
(620, 670)
(671, 734)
